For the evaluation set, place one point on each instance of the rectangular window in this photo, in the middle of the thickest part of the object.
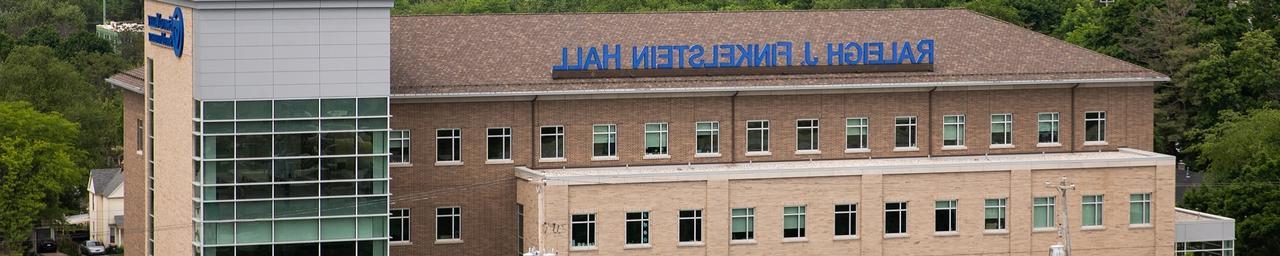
(953, 130)
(944, 216)
(448, 223)
(994, 218)
(399, 225)
(807, 134)
(1042, 212)
(637, 227)
(498, 143)
(793, 222)
(1092, 208)
(708, 137)
(757, 136)
(1002, 129)
(691, 226)
(604, 140)
(1047, 129)
(855, 133)
(1140, 208)
(448, 145)
(655, 139)
(398, 144)
(137, 136)
(846, 219)
(895, 218)
(1095, 126)
(904, 132)
(553, 143)
(583, 230)
(744, 221)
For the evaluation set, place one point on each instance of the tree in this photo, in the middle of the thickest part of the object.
(19, 15)
(36, 75)
(36, 167)
(996, 8)
(1243, 155)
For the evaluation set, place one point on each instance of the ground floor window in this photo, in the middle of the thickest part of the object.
(399, 225)
(846, 219)
(637, 227)
(448, 223)
(691, 226)
(944, 216)
(895, 218)
(583, 230)
(995, 211)
(744, 223)
(793, 222)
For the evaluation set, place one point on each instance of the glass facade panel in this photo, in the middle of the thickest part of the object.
(253, 232)
(338, 107)
(296, 230)
(296, 108)
(342, 228)
(372, 107)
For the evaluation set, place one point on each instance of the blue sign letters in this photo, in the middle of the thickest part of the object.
(170, 31)
(775, 54)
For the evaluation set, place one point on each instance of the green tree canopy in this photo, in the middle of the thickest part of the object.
(1243, 156)
(36, 75)
(36, 167)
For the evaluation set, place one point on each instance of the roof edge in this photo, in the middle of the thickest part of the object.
(393, 16)
(123, 85)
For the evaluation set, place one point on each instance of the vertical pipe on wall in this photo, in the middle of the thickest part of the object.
(533, 132)
(1072, 147)
(733, 130)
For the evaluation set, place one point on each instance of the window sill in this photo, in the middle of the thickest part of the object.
(604, 158)
(399, 165)
(759, 153)
(809, 152)
(795, 240)
(845, 237)
(689, 244)
(706, 155)
(499, 161)
(995, 232)
(1049, 145)
(448, 163)
(1001, 146)
(1042, 230)
(946, 233)
(946, 148)
(906, 149)
(582, 248)
(1141, 226)
(744, 241)
(656, 157)
(856, 150)
(399, 243)
(1093, 228)
(552, 160)
(448, 241)
(1095, 143)
(898, 235)
(636, 246)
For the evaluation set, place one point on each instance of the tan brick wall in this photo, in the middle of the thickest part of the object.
(135, 176)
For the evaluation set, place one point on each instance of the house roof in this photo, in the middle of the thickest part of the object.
(513, 54)
(105, 180)
(131, 80)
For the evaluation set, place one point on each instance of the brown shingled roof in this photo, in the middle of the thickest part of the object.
(132, 80)
(514, 53)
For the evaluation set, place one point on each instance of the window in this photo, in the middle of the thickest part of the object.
(604, 140)
(637, 227)
(399, 146)
(855, 133)
(1092, 210)
(691, 226)
(655, 139)
(583, 229)
(1095, 126)
(1042, 212)
(449, 145)
(708, 137)
(995, 214)
(498, 143)
(793, 222)
(1002, 129)
(904, 132)
(553, 143)
(807, 134)
(757, 136)
(399, 225)
(944, 216)
(1048, 127)
(1140, 208)
(953, 130)
(137, 136)
(519, 227)
(846, 219)
(895, 218)
(743, 223)
(448, 223)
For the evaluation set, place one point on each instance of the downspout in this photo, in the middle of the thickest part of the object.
(541, 187)
(533, 132)
(1073, 118)
(733, 122)
(929, 128)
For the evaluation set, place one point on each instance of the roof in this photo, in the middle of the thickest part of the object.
(513, 54)
(106, 180)
(131, 80)
(1124, 157)
(1194, 226)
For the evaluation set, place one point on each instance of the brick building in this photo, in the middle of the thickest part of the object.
(505, 134)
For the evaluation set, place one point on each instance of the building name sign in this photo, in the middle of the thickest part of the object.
(167, 31)
(775, 58)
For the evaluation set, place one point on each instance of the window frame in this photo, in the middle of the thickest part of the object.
(1142, 201)
(664, 148)
(1006, 135)
(852, 218)
(947, 209)
(455, 141)
(909, 123)
(958, 123)
(1050, 202)
(405, 219)
(799, 217)
(864, 127)
(405, 147)
(644, 222)
(1092, 205)
(558, 137)
(504, 138)
(611, 140)
(454, 218)
(1101, 120)
(589, 224)
(713, 132)
(814, 139)
(1001, 208)
(696, 221)
(763, 136)
(1054, 122)
(901, 212)
(749, 217)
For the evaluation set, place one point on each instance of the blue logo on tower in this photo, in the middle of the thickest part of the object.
(168, 31)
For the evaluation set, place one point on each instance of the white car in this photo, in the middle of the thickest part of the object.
(91, 247)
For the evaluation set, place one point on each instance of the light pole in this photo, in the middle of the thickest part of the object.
(1063, 230)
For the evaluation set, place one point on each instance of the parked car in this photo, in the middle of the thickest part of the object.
(46, 246)
(91, 247)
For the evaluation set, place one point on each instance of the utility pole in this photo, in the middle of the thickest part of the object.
(1063, 230)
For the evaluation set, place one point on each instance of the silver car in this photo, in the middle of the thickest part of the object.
(91, 247)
